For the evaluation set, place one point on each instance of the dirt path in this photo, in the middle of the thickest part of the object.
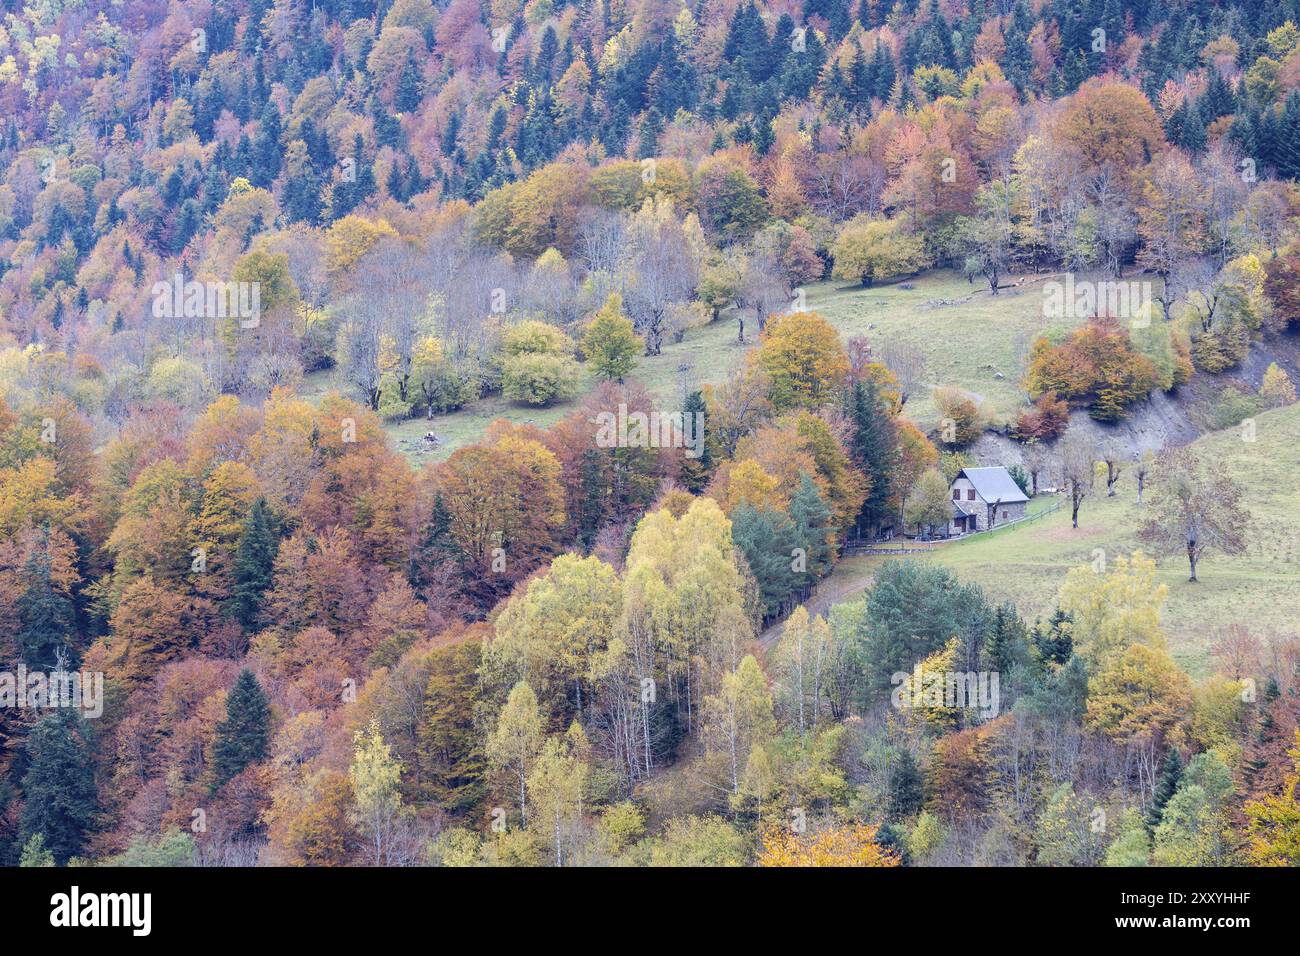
(834, 590)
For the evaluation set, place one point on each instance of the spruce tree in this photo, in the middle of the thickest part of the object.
(407, 96)
(241, 737)
(1055, 644)
(1171, 775)
(59, 786)
(697, 471)
(767, 539)
(873, 447)
(1194, 137)
(254, 565)
(1007, 646)
(813, 526)
(906, 790)
(45, 617)
(435, 544)
(651, 127)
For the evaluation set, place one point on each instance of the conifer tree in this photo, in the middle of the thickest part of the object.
(253, 565)
(242, 736)
(45, 616)
(813, 526)
(906, 789)
(1171, 775)
(696, 471)
(59, 796)
(873, 447)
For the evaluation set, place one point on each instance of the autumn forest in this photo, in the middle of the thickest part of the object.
(649, 433)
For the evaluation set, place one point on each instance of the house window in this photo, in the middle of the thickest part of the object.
(970, 494)
(1005, 516)
(956, 494)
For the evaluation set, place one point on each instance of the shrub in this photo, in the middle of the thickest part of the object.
(1235, 406)
(1277, 389)
(538, 378)
(1046, 420)
(963, 420)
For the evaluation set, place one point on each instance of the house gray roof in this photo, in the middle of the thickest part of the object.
(993, 484)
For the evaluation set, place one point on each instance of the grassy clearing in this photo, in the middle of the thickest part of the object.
(971, 344)
(968, 343)
(1026, 563)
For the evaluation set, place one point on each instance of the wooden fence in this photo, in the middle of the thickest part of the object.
(908, 546)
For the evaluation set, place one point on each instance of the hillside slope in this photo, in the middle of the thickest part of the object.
(1026, 564)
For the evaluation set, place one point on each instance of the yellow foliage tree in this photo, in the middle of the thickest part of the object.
(1273, 822)
(1113, 610)
(852, 845)
(803, 358)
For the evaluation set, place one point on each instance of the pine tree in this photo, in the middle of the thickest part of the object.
(873, 447)
(696, 471)
(59, 786)
(242, 736)
(45, 616)
(253, 565)
(906, 789)
(435, 545)
(1171, 775)
(813, 526)
(407, 96)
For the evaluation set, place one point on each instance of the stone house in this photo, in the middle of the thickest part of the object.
(984, 498)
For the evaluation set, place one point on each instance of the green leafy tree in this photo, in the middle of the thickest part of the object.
(929, 506)
(874, 249)
(35, 853)
(1193, 828)
(451, 746)
(610, 341)
(513, 745)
